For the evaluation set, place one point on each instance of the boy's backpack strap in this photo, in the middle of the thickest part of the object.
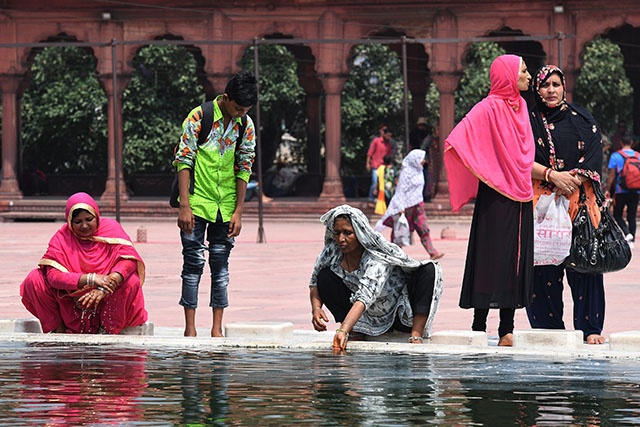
(206, 123)
(205, 128)
(241, 129)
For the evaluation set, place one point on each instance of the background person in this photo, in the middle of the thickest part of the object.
(489, 156)
(387, 182)
(90, 278)
(421, 137)
(623, 197)
(568, 154)
(370, 285)
(408, 200)
(220, 174)
(378, 148)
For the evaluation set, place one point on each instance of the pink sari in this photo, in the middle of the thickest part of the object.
(493, 143)
(53, 303)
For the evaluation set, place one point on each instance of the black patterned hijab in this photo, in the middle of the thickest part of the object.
(566, 136)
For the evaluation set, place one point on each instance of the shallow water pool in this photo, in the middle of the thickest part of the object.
(71, 385)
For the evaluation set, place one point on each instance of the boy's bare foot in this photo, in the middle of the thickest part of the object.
(506, 341)
(216, 333)
(188, 332)
(595, 339)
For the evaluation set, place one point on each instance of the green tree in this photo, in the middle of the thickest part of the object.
(163, 90)
(64, 117)
(602, 86)
(432, 106)
(475, 84)
(372, 94)
(282, 99)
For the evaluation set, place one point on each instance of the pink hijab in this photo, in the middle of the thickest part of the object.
(493, 143)
(99, 253)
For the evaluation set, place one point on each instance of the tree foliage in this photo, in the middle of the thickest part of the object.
(433, 105)
(602, 86)
(475, 84)
(372, 94)
(64, 110)
(64, 120)
(162, 91)
(282, 99)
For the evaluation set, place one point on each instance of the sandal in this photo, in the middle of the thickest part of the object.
(415, 340)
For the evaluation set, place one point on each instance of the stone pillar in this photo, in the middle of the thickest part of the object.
(114, 131)
(447, 84)
(9, 187)
(314, 121)
(418, 100)
(332, 187)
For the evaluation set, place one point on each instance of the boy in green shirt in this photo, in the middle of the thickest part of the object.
(220, 176)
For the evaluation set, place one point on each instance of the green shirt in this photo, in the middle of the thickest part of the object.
(218, 163)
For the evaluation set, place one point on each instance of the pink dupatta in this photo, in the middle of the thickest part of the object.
(494, 142)
(99, 253)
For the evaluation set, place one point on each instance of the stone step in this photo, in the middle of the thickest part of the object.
(10, 326)
(625, 341)
(469, 338)
(260, 330)
(548, 339)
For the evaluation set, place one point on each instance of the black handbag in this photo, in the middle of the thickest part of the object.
(597, 250)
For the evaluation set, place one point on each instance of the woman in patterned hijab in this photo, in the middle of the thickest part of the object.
(370, 285)
(568, 155)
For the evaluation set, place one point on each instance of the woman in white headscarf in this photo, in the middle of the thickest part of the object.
(408, 199)
(370, 285)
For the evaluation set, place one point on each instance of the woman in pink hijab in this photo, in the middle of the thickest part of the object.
(489, 156)
(90, 279)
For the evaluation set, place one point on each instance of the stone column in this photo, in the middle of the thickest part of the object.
(447, 82)
(314, 121)
(115, 130)
(9, 187)
(332, 187)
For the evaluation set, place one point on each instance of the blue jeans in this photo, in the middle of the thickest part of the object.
(374, 184)
(193, 254)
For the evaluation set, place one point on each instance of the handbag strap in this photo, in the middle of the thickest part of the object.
(597, 191)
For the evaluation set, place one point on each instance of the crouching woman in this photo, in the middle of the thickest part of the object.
(370, 285)
(90, 278)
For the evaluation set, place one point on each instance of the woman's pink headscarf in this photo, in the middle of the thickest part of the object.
(99, 253)
(493, 143)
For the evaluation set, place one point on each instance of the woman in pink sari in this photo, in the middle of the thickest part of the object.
(90, 279)
(489, 157)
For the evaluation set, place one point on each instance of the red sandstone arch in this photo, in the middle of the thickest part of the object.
(27, 21)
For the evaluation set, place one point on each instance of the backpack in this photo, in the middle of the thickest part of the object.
(630, 173)
(205, 129)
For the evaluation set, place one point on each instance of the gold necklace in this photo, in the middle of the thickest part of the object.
(346, 261)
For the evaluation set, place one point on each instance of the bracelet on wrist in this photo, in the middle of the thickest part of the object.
(343, 331)
(100, 288)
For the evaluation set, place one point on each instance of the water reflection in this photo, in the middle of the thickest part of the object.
(63, 386)
(204, 390)
(105, 385)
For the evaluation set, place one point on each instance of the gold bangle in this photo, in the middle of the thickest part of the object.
(343, 331)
